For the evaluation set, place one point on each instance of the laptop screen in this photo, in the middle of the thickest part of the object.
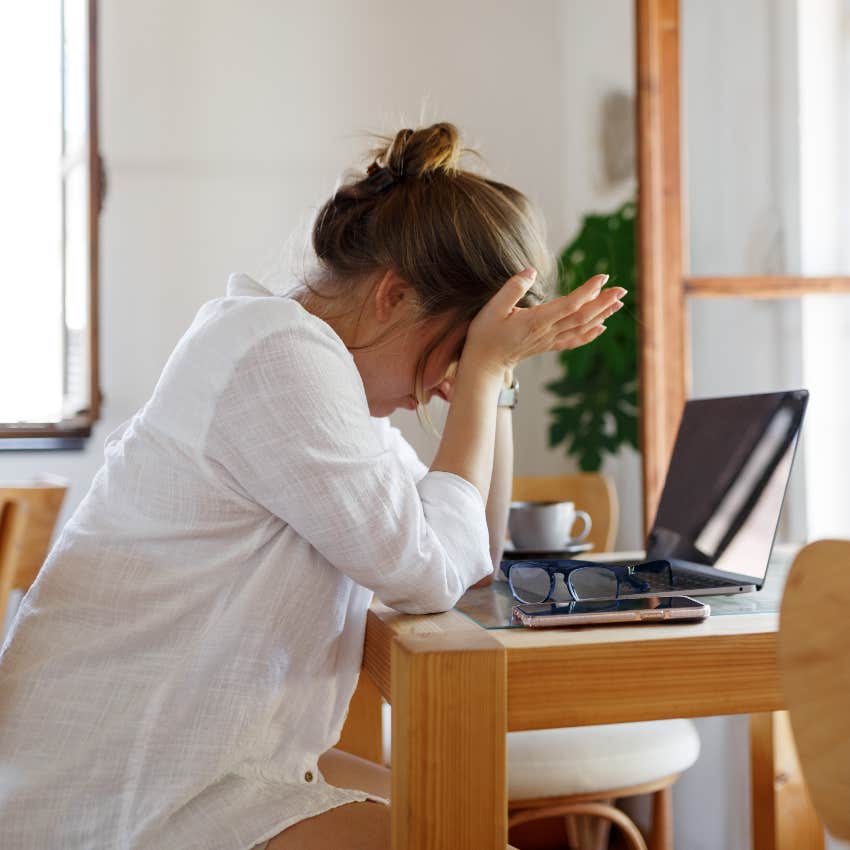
(726, 482)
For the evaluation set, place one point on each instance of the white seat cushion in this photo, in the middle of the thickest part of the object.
(590, 759)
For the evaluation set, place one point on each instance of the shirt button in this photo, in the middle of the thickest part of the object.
(308, 776)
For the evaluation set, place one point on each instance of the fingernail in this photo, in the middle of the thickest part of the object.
(621, 291)
(604, 279)
(530, 273)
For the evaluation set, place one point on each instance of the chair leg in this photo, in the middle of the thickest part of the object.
(583, 832)
(587, 827)
(661, 834)
(601, 810)
(603, 830)
(573, 840)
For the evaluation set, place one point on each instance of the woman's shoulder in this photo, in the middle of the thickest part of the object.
(257, 336)
(250, 318)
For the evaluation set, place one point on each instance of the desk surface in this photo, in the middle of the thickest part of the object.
(490, 607)
(610, 674)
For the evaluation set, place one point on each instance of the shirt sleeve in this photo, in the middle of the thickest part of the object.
(292, 429)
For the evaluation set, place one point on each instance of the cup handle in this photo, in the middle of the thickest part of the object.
(588, 524)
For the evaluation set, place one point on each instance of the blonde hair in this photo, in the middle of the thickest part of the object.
(453, 235)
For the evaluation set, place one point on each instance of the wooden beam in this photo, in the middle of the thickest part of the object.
(648, 684)
(765, 286)
(663, 354)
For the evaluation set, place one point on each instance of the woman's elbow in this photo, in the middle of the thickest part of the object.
(441, 593)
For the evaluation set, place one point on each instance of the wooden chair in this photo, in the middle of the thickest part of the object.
(37, 504)
(13, 518)
(577, 774)
(590, 491)
(814, 668)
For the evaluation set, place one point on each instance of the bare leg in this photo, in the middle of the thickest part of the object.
(347, 771)
(357, 826)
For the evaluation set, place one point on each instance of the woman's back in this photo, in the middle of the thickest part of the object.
(199, 650)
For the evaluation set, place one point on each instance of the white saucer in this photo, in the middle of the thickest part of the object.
(512, 554)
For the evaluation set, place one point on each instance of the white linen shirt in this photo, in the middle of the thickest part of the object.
(190, 647)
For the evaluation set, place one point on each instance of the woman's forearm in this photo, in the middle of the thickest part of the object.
(466, 447)
(501, 484)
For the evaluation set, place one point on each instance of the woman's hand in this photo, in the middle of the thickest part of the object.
(502, 334)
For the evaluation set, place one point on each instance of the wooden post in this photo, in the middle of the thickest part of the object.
(663, 354)
(449, 788)
(362, 734)
(783, 815)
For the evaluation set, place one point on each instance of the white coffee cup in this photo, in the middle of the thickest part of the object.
(545, 525)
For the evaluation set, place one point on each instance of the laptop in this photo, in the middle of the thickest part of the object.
(725, 486)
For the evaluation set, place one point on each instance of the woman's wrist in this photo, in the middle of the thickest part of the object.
(509, 394)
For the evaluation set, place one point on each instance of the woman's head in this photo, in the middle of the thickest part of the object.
(449, 235)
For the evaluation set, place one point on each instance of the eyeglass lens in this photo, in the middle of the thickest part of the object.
(533, 584)
(593, 583)
(530, 584)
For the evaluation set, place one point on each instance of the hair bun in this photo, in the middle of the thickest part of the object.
(416, 153)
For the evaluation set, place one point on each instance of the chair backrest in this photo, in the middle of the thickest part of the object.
(13, 519)
(814, 666)
(591, 492)
(40, 501)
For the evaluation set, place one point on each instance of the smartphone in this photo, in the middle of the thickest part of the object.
(647, 609)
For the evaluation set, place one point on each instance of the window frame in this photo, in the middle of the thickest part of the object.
(71, 432)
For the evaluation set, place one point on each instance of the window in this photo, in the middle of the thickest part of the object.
(51, 174)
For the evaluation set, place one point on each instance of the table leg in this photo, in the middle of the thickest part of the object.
(448, 744)
(783, 815)
(362, 734)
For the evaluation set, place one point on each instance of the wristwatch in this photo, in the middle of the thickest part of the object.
(509, 396)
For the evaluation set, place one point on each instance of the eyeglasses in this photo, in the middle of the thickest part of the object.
(537, 581)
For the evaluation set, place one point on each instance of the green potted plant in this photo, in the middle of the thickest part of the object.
(597, 405)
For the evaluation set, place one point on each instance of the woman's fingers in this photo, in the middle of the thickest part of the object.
(573, 329)
(564, 305)
(596, 311)
(575, 338)
(512, 291)
(502, 334)
(577, 308)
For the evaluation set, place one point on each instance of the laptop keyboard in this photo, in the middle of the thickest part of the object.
(684, 581)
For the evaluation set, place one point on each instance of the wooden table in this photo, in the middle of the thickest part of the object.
(456, 689)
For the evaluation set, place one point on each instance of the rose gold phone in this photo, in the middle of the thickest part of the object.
(646, 609)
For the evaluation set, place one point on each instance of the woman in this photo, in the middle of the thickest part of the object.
(181, 668)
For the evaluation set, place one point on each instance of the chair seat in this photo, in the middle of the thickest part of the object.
(591, 759)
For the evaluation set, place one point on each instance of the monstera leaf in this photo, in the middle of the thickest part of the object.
(597, 393)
